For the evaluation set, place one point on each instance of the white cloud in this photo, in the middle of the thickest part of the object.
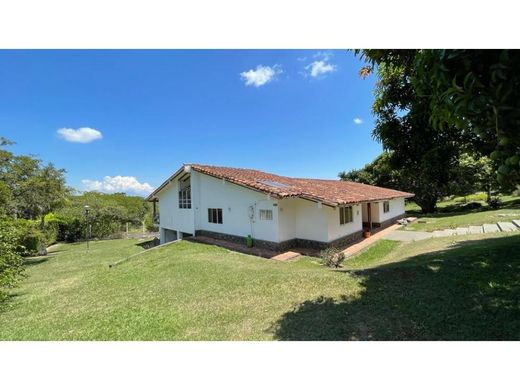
(112, 184)
(358, 121)
(82, 135)
(324, 55)
(261, 75)
(320, 66)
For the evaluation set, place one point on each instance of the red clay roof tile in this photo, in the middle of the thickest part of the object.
(331, 192)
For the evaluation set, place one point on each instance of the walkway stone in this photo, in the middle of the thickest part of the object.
(491, 228)
(476, 230)
(462, 231)
(442, 233)
(285, 256)
(506, 226)
(404, 235)
(516, 222)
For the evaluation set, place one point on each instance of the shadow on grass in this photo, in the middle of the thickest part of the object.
(470, 291)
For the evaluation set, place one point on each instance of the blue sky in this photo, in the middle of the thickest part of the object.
(144, 113)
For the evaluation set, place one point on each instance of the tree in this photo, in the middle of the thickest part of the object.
(422, 154)
(472, 174)
(11, 264)
(31, 189)
(378, 173)
(478, 91)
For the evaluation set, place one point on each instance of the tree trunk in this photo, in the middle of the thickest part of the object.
(427, 202)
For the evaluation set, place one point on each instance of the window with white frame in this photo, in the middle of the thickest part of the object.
(386, 206)
(345, 215)
(215, 216)
(266, 215)
(185, 193)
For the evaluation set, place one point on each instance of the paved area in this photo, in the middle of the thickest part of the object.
(403, 235)
(476, 230)
(407, 235)
(491, 228)
(370, 240)
(286, 256)
(507, 226)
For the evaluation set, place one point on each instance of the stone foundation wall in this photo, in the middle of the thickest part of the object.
(285, 245)
(391, 221)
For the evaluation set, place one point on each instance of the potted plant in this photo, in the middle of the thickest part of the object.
(366, 233)
(249, 241)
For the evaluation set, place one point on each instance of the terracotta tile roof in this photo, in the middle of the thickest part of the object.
(331, 192)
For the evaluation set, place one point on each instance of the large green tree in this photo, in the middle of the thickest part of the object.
(421, 153)
(31, 189)
(477, 91)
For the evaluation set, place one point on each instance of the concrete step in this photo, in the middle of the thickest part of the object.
(491, 228)
(461, 231)
(507, 226)
(476, 230)
(516, 222)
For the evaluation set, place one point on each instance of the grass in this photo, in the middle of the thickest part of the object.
(434, 289)
(451, 215)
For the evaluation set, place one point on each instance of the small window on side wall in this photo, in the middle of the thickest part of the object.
(386, 206)
(345, 215)
(266, 215)
(215, 216)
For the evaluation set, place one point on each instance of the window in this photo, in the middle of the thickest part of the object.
(185, 193)
(345, 215)
(215, 216)
(386, 207)
(266, 215)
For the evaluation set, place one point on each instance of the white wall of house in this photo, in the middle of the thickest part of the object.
(171, 216)
(292, 217)
(234, 201)
(300, 218)
(396, 209)
(335, 230)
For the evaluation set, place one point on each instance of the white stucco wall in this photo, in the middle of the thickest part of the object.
(335, 230)
(171, 217)
(396, 209)
(292, 218)
(234, 201)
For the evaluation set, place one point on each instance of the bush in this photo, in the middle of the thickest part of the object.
(494, 203)
(332, 257)
(149, 224)
(11, 263)
(30, 237)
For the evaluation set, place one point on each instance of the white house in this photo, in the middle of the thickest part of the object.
(277, 212)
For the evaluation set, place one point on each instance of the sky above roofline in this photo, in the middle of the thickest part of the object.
(125, 120)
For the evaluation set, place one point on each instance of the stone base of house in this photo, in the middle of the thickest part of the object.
(285, 245)
(376, 226)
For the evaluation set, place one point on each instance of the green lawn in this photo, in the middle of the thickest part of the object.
(451, 215)
(427, 290)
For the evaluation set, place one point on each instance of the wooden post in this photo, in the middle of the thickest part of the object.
(369, 211)
(127, 230)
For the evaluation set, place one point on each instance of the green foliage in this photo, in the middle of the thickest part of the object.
(108, 215)
(33, 238)
(379, 173)
(422, 155)
(30, 189)
(149, 223)
(11, 264)
(477, 91)
(332, 257)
